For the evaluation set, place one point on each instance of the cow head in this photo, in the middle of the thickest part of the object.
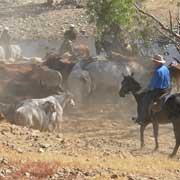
(70, 100)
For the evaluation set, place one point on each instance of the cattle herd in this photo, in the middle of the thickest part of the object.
(72, 84)
(68, 82)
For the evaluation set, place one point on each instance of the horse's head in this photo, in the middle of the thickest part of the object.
(129, 84)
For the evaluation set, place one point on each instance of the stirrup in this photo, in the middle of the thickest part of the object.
(139, 122)
(134, 118)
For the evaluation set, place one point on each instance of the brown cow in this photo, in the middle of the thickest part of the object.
(54, 61)
(81, 51)
(50, 2)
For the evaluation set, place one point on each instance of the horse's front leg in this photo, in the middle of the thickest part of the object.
(142, 128)
(155, 132)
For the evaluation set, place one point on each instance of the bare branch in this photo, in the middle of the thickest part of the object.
(166, 36)
(178, 25)
(170, 21)
(170, 39)
(177, 19)
(158, 22)
(178, 22)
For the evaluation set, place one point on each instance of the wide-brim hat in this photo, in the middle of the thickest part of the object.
(159, 58)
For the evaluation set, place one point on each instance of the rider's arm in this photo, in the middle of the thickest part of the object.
(154, 81)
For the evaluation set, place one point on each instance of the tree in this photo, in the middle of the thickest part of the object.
(119, 19)
(110, 13)
(171, 33)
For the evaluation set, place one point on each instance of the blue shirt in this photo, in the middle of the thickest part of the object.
(160, 78)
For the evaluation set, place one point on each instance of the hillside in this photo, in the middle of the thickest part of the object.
(160, 8)
(32, 19)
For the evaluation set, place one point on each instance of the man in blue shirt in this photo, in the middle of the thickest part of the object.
(159, 85)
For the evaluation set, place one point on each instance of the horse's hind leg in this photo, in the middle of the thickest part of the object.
(175, 149)
(156, 131)
(177, 137)
(142, 128)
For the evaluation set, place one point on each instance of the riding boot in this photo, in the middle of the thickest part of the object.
(137, 120)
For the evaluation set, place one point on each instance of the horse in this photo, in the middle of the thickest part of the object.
(169, 113)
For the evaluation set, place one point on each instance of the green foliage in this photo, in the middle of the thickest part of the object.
(120, 19)
(107, 13)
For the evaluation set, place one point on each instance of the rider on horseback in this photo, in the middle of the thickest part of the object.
(70, 36)
(158, 86)
(5, 41)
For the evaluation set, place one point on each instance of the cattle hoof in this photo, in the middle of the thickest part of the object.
(155, 150)
(156, 147)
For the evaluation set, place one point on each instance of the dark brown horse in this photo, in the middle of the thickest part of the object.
(170, 112)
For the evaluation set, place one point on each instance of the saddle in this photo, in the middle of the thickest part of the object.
(157, 105)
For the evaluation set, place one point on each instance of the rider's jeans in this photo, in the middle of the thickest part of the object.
(149, 97)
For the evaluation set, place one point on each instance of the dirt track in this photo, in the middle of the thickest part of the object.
(33, 19)
(96, 144)
(100, 143)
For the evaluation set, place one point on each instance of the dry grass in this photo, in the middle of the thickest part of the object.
(44, 164)
(103, 142)
(38, 170)
(109, 158)
(160, 8)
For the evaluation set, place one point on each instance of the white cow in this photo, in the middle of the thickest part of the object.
(15, 51)
(35, 60)
(33, 116)
(43, 114)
